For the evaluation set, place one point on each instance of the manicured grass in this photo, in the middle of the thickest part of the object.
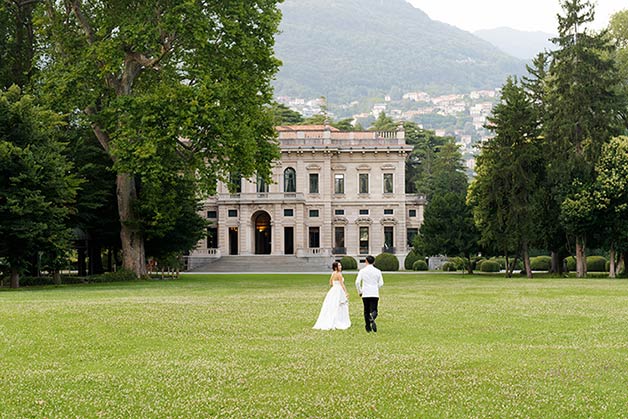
(241, 346)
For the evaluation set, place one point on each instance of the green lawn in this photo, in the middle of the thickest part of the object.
(241, 346)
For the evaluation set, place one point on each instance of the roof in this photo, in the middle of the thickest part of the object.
(289, 128)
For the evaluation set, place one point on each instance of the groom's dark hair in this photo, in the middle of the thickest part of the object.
(370, 259)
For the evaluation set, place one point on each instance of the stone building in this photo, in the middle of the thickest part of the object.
(332, 194)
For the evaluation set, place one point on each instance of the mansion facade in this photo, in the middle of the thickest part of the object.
(333, 193)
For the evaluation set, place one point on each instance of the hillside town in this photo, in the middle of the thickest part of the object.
(462, 115)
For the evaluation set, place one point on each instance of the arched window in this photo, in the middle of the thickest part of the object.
(289, 180)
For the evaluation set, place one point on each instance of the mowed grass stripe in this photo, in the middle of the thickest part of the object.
(241, 346)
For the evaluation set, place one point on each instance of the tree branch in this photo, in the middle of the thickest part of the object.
(76, 8)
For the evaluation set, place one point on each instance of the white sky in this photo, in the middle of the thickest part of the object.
(525, 15)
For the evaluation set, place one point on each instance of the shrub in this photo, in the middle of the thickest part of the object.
(541, 263)
(348, 262)
(410, 259)
(571, 263)
(419, 265)
(596, 264)
(121, 275)
(459, 263)
(608, 266)
(448, 267)
(386, 262)
(490, 266)
(479, 262)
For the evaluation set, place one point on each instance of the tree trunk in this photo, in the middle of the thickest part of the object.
(133, 256)
(625, 258)
(558, 263)
(581, 269)
(469, 266)
(526, 261)
(56, 277)
(15, 278)
(611, 273)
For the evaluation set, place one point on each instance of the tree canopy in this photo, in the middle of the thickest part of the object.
(182, 85)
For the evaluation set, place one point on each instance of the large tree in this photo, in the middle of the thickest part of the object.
(510, 167)
(448, 226)
(583, 109)
(167, 81)
(36, 190)
(17, 42)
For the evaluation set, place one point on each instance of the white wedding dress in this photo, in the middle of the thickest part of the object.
(335, 311)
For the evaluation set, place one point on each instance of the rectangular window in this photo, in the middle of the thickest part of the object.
(339, 239)
(339, 183)
(288, 212)
(212, 214)
(388, 212)
(364, 212)
(262, 186)
(412, 213)
(212, 238)
(411, 234)
(233, 213)
(339, 212)
(315, 237)
(235, 183)
(389, 237)
(313, 182)
(364, 240)
(313, 213)
(364, 182)
(388, 183)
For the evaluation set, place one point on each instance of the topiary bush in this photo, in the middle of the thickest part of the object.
(386, 262)
(459, 263)
(410, 259)
(419, 265)
(490, 266)
(571, 263)
(541, 263)
(448, 267)
(596, 264)
(348, 263)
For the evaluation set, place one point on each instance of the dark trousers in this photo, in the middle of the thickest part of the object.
(370, 306)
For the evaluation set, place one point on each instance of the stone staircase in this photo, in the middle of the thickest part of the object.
(261, 263)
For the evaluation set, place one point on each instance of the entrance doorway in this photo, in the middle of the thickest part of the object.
(262, 233)
(288, 240)
(233, 240)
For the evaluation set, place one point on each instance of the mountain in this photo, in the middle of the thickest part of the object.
(351, 49)
(520, 44)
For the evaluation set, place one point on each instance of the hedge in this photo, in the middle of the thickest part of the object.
(410, 259)
(419, 265)
(596, 264)
(448, 267)
(348, 263)
(490, 266)
(541, 263)
(386, 262)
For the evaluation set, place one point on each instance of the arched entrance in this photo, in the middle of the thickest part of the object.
(261, 221)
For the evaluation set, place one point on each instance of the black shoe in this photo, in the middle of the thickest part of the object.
(372, 324)
(368, 330)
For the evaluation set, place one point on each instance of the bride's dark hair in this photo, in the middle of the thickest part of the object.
(334, 266)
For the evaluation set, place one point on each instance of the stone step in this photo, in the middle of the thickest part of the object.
(260, 263)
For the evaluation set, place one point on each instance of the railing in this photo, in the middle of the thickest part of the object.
(206, 253)
(339, 251)
(389, 249)
(314, 251)
(261, 197)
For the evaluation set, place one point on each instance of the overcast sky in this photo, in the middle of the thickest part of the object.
(526, 15)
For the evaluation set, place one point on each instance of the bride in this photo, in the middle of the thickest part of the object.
(335, 311)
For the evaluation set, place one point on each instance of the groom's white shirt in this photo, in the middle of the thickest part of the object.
(369, 281)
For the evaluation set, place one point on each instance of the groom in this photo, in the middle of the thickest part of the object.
(368, 283)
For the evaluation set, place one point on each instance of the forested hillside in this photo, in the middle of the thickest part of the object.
(351, 49)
